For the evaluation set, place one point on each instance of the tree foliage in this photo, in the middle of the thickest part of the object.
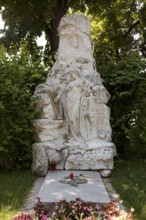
(33, 18)
(126, 82)
(19, 74)
(117, 22)
(118, 29)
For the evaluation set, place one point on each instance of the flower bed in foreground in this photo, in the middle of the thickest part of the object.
(75, 210)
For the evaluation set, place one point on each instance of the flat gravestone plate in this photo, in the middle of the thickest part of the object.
(53, 191)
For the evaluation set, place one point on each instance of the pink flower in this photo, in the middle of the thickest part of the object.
(22, 216)
(44, 217)
(15, 218)
(88, 218)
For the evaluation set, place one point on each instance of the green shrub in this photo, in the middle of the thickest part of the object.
(126, 82)
(19, 74)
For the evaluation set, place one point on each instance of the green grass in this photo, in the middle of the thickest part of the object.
(14, 188)
(129, 180)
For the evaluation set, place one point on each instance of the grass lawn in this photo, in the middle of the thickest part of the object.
(14, 188)
(129, 180)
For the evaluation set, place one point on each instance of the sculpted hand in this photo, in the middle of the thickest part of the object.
(56, 99)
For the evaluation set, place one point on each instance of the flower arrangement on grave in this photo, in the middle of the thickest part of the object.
(75, 210)
(74, 180)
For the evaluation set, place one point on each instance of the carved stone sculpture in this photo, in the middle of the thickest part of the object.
(72, 128)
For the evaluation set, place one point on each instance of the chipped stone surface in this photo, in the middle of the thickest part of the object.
(72, 127)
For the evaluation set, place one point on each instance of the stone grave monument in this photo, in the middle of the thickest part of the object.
(72, 129)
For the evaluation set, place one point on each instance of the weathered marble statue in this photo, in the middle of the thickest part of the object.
(72, 129)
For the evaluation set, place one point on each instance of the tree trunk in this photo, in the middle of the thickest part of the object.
(52, 29)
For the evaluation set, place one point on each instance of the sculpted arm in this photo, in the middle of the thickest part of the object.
(59, 93)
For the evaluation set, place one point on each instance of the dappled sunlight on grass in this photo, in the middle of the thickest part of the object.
(14, 188)
(129, 180)
(7, 212)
